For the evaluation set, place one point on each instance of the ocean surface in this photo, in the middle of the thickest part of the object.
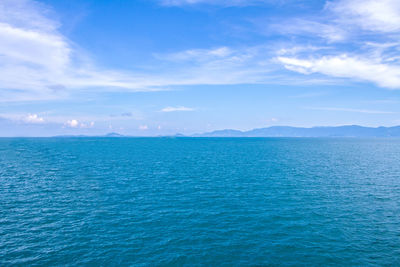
(199, 201)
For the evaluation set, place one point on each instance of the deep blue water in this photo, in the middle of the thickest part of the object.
(188, 201)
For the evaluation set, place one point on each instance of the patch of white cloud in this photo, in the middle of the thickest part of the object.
(33, 118)
(330, 32)
(370, 15)
(364, 24)
(220, 65)
(198, 54)
(86, 125)
(344, 66)
(143, 127)
(179, 108)
(39, 62)
(77, 124)
(72, 123)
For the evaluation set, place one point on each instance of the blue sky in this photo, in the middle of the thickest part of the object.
(156, 67)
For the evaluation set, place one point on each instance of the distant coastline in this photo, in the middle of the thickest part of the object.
(320, 131)
(281, 131)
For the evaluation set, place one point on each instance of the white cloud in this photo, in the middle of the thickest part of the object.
(342, 20)
(33, 118)
(364, 24)
(359, 68)
(72, 123)
(221, 65)
(371, 15)
(86, 125)
(328, 31)
(76, 124)
(143, 127)
(199, 54)
(24, 118)
(180, 108)
(38, 62)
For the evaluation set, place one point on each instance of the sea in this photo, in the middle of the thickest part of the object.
(199, 202)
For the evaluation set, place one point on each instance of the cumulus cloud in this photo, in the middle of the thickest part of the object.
(72, 123)
(180, 108)
(76, 124)
(33, 118)
(86, 125)
(143, 127)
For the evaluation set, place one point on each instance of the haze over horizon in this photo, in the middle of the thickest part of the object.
(161, 67)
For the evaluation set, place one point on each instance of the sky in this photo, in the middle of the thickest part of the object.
(160, 67)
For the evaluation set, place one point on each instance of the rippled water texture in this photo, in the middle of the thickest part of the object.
(165, 201)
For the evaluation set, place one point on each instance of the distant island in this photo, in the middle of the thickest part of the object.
(287, 131)
(283, 131)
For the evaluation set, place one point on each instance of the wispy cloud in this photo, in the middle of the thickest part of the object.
(367, 111)
(203, 55)
(173, 109)
(30, 118)
(360, 68)
(307, 27)
(39, 61)
(370, 15)
(365, 24)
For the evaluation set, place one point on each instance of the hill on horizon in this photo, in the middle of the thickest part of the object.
(320, 131)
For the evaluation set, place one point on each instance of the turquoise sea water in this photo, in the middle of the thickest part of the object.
(188, 201)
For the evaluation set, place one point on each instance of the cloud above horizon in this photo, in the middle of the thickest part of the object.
(40, 63)
(359, 42)
(174, 109)
(34, 118)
